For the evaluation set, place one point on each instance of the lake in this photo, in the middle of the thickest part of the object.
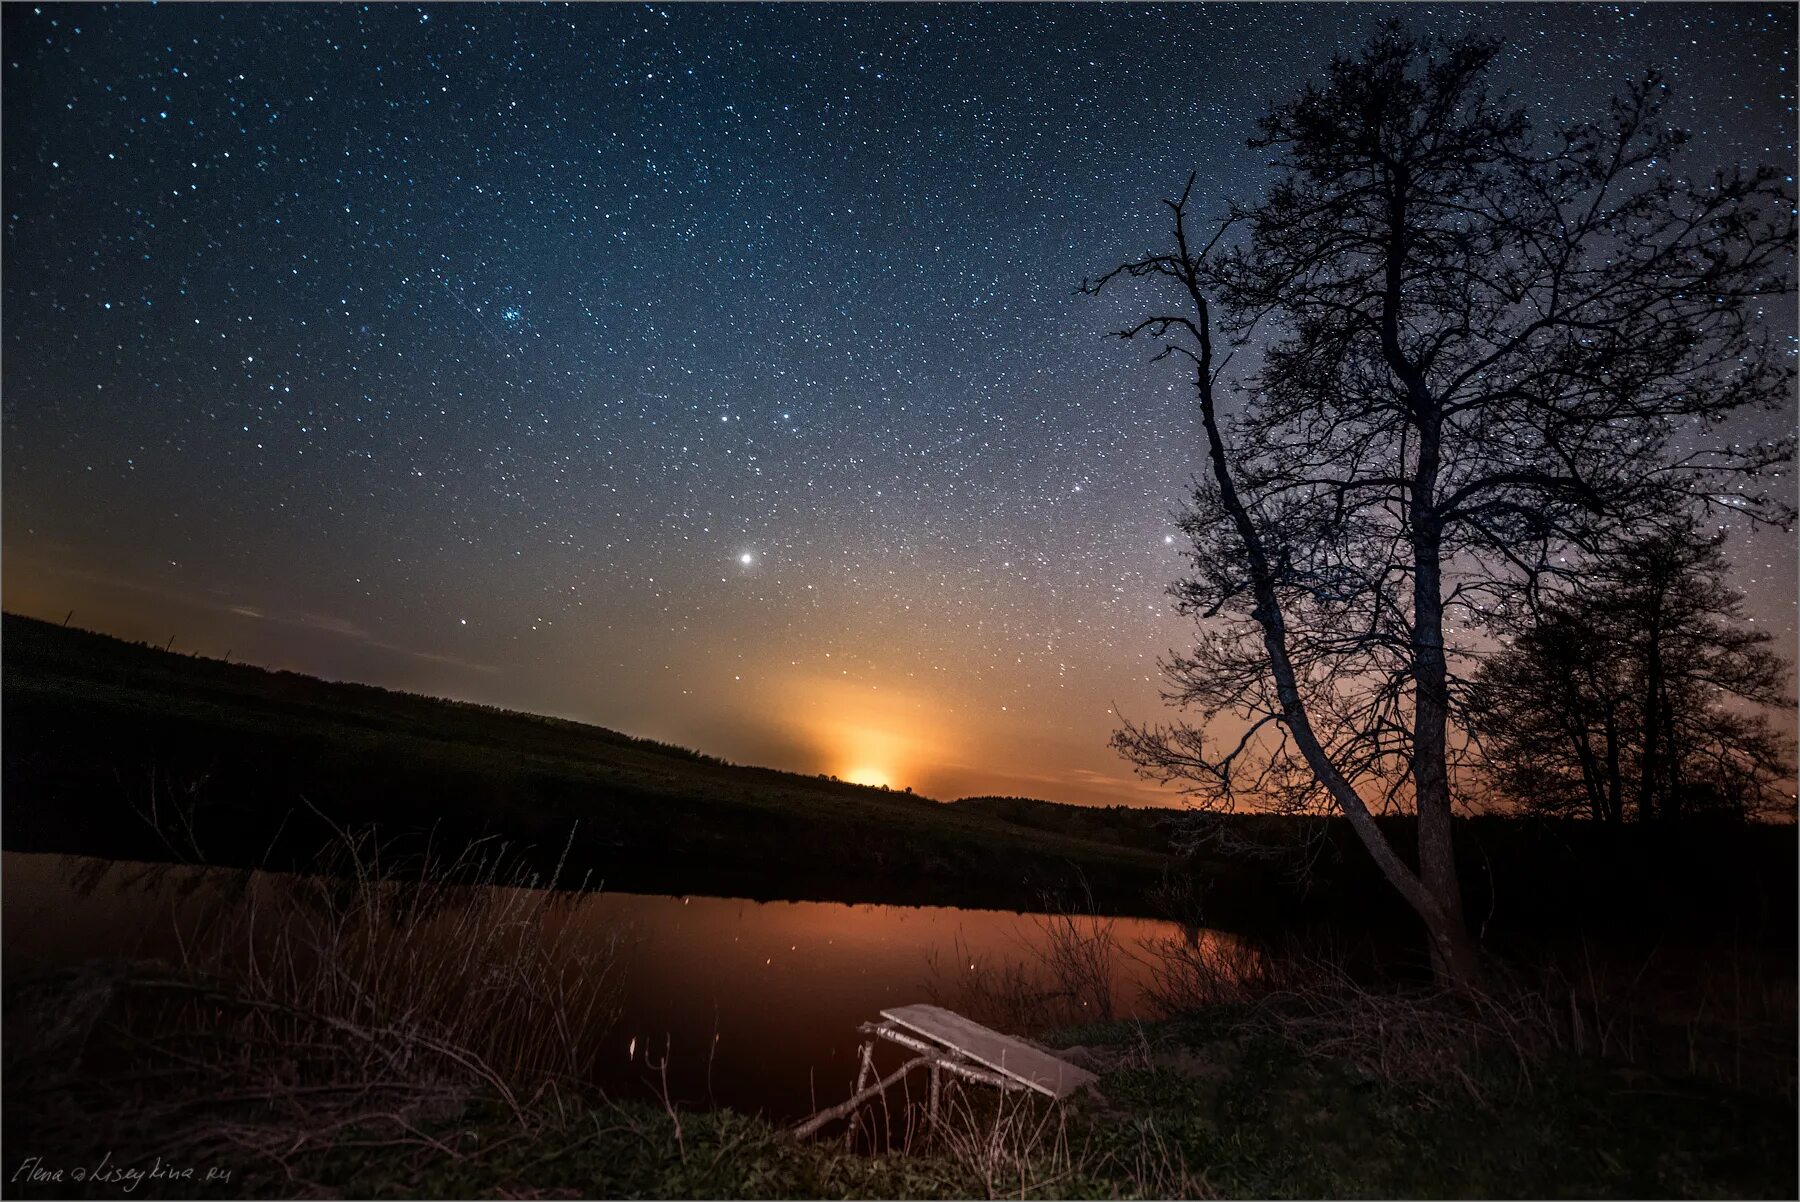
(756, 1003)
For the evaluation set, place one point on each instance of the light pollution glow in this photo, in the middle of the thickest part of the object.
(406, 388)
(821, 714)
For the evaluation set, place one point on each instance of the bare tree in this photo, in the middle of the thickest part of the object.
(1642, 685)
(1480, 348)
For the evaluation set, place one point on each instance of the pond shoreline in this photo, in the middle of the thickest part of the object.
(1205, 1105)
(674, 880)
(751, 1003)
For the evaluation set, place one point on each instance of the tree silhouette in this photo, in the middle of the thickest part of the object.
(1641, 686)
(1479, 347)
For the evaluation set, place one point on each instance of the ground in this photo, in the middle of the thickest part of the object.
(1254, 1117)
(1199, 1107)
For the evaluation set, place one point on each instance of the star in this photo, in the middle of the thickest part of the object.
(525, 311)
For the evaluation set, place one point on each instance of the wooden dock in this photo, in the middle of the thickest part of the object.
(943, 1041)
(1011, 1058)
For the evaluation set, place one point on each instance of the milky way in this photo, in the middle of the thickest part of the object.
(715, 374)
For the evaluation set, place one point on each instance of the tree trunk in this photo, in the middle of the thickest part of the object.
(1615, 779)
(1649, 767)
(1671, 800)
(1591, 783)
(1575, 724)
(1453, 958)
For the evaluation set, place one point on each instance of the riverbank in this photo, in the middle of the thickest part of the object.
(755, 1005)
(1205, 1106)
(350, 1034)
(1191, 1109)
(419, 1016)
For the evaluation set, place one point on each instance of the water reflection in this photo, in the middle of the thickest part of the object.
(752, 1004)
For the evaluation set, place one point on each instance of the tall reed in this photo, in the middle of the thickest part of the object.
(363, 1001)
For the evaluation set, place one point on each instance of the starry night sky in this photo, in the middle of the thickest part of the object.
(710, 373)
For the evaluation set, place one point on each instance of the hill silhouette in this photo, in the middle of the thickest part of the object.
(126, 750)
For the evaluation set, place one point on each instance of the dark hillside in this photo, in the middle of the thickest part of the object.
(233, 760)
(1127, 826)
(239, 765)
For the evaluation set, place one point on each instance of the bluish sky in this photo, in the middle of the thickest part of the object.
(711, 373)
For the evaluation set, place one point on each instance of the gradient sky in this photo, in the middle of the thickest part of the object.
(709, 373)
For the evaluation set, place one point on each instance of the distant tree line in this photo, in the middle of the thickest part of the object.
(1639, 693)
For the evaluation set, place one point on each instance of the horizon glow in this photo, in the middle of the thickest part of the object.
(712, 375)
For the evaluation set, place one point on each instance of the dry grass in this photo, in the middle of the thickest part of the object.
(1201, 970)
(1723, 1013)
(984, 1142)
(346, 1009)
(1010, 1146)
(1726, 1017)
(1017, 1145)
(1424, 1036)
(306, 1018)
(1075, 969)
(1067, 971)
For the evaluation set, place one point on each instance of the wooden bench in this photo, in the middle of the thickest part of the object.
(946, 1042)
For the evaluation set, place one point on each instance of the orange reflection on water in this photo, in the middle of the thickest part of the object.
(756, 1005)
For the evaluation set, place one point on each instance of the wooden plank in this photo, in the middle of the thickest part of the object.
(1005, 1055)
(942, 1057)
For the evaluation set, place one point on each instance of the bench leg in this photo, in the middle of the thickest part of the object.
(864, 1071)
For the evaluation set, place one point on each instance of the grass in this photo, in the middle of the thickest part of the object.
(1225, 1115)
(311, 1012)
(354, 1035)
(1267, 1120)
(350, 1033)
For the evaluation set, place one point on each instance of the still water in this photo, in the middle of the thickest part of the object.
(756, 1003)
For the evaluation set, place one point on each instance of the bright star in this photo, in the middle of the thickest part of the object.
(746, 559)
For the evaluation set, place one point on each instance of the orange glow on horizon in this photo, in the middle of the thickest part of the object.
(876, 737)
(932, 741)
(876, 749)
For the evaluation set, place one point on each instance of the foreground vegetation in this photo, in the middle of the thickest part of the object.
(1215, 1104)
(346, 1034)
(1277, 1125)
